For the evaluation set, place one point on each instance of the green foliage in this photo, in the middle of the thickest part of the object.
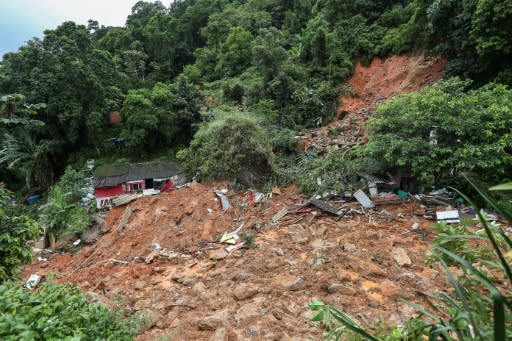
(154, 117)
(477, 309)
(471, 131)
(334, 172)
(231, 147)
(281, 59)
(60, 215)
(58, 312)
(16, 232)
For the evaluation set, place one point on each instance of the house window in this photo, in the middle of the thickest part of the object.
(135, 187)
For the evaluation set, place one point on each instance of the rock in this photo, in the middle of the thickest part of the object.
(142, 304)
(242, 276)
(349, 247)
(320, 231)
(277, 251)
(296, 284)
(92, 235)
(65, 241)
(151, 318)
(199, 288)
(87, 251)
(247, 312)
(95, 297)
(388, 288)
(400, 256)
(139, 285)
(188, 280)
(221, 334)
(245, 291)
(253, 330)
(215, 321)
(217, 254)
(346, 275)
(341, 289)
(151, 256)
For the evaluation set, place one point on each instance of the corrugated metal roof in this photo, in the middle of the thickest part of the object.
(113, 175)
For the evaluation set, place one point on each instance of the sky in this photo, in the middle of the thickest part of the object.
(21, 20)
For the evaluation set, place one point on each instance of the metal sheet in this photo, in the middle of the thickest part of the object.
(363, 199)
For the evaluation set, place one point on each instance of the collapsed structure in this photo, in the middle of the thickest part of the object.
(110, 181)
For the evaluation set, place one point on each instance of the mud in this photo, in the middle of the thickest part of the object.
(191, 289)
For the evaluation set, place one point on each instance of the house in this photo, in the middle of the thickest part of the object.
(110, 181)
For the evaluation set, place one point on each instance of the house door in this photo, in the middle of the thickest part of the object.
(148, 183)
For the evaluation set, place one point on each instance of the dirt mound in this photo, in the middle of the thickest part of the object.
(160, 256)
(373, 85)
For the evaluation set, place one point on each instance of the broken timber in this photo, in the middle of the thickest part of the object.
(124, 218)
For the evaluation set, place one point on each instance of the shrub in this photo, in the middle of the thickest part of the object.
(231, 147)
(334, 172)
(58, 312)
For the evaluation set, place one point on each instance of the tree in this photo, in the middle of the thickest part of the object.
(150, 119)
(442, 131)
(236, 52)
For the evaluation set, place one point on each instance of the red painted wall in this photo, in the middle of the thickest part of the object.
(109, 191)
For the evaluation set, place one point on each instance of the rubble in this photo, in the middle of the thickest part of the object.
(168, 259)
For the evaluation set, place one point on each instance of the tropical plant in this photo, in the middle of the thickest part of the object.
(477, 310)
(16, 233)
(61, 216)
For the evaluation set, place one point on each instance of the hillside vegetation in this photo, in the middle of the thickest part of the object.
(170, 69)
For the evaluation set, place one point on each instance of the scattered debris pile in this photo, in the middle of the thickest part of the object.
(243, 266)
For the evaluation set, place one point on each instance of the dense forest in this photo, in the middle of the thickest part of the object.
(171, 71)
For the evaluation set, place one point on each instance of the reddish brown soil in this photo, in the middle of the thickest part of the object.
(261, 293)
(372, 85)
(383, 79)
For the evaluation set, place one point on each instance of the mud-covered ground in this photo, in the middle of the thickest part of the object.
(191, 289)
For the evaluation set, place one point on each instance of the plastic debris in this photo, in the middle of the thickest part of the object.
(448, 217)
(238, 246)
(324, 206)
(223, 199)
(156, 247)
(32, 281)
(77, 242)
(231, 237)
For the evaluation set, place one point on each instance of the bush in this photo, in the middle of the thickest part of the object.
(58, 312)
(334, 172)
(231, 147)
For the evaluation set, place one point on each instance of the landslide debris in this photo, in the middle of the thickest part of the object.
(370, 86)
(166, 263)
